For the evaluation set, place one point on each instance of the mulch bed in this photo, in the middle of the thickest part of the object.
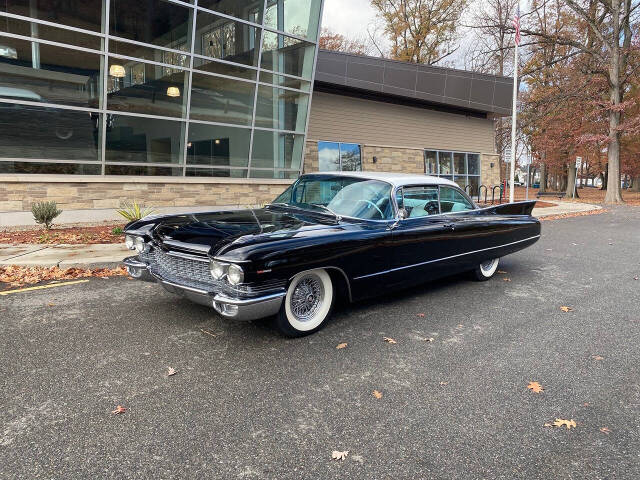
(17, 276)
(64, 235)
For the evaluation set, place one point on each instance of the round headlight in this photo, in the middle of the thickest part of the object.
(217, 269)
(139, 244)
(235, 274)
(129, 241)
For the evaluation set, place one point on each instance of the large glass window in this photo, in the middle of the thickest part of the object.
(158, 87)
(217, 146)
(335, 157)
(298, 17)
(218, 99)
(452, 201)
(419, 201)
(156, 22)
(224, 39)
(461, 167)
(250, 10)
(34, 132)
(287, 55)
(39, 72)
(281, 109)
(143, 140)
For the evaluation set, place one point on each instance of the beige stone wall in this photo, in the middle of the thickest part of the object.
(310, 157)
(70, 194)
(489, 176)
(396, 160)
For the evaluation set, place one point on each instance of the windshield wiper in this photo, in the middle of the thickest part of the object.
(327, 209)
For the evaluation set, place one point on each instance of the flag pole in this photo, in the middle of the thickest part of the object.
(514, 115)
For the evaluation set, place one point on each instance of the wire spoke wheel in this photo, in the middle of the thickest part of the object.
(307, 298)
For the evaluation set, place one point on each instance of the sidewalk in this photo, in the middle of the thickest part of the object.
(111, 255)
(64, 256)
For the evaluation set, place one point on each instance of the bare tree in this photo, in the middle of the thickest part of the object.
(421, 31)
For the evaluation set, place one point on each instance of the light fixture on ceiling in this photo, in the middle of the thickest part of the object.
(173, 92)
(116, 70)
(217, 141)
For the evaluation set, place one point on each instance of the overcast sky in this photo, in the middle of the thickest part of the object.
(349, 18)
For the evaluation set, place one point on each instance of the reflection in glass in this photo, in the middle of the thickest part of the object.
(220, 68)
(218, 99)
(282, 81)
(445, 163)
(250, 10)
(155, 22)
(281, 109)
(269, 173)
(277, 150)
(50, 168)
(459, 164)
(224, 39)
(84, 14)
(298, 17)
(475, 184)
(47, 32)
(474, 163)
(287, 55)
(149, 53)
(41, 73)
(328, 156)
(216, 172)
(350, 157)
(143, 140)
(143, 170)
(431, 162)
(215, 145)
(48, 133)
(145, 88)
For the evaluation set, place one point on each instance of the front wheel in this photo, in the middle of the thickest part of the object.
(486, 269)
(307, 305)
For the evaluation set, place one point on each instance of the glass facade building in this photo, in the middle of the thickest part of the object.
(204, 88)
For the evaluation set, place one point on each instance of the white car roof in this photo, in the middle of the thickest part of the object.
(397, 179)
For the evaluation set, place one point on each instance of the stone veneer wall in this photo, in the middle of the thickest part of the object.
(19, 193)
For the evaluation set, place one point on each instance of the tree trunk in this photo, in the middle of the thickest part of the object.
(543, 178)
(614, 192)
(635, 187)
(572, 191)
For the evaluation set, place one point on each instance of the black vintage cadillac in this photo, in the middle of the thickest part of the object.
(345, 234)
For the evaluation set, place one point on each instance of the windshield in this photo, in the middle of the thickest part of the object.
(349, 197)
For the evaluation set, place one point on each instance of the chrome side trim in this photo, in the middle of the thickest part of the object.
(444, 258)
(248, 301)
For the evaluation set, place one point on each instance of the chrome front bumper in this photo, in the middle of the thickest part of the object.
(234, 308)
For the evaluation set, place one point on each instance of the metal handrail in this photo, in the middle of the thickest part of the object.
(493, 194)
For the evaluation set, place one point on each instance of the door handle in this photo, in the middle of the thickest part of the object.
(449, 226)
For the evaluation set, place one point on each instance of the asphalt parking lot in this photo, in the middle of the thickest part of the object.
(247, 403)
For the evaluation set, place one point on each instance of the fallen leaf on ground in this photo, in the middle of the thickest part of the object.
(605, 430)
(535, 387)
(585, 404)
(502, 272)
(635, 278)
(506, 279)
(208, 332)
(559, 422)
(442, 384)
(19, 276)
(430, 339)
(336, 455)
(566, 309)
(341, 346)
(389, 340)
(377, 394)
(119, 409)
(597, 357)
(51, 304)
(171, 371)
(421, 315)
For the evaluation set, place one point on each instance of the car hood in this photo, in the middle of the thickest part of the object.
(216, 230)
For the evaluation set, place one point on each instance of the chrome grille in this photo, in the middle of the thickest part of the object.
(189, 271)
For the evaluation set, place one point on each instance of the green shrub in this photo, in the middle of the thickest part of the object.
(45, 212)
(116, 231)
(134, 211)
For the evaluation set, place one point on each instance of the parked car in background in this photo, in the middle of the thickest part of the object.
(355, 235)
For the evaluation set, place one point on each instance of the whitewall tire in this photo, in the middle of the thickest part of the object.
(486, 269)
(307, 305)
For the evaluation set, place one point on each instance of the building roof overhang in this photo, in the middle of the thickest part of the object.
(426, 86)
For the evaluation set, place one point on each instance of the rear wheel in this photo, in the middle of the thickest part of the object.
(486, 269)
(307, 305)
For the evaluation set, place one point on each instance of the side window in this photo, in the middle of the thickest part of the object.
(451, 200)
(399, 198)
(420, 201)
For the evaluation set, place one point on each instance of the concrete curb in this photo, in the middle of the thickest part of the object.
(63, 256)
(564, 208)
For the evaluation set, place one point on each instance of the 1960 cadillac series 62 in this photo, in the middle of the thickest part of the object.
(329, 234)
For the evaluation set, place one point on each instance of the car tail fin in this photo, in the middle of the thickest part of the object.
(516, 208)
